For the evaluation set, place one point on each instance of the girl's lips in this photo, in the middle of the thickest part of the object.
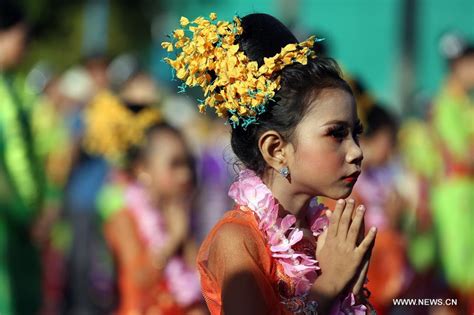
(351, 178)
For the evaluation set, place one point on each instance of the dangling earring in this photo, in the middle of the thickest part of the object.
(284, 171)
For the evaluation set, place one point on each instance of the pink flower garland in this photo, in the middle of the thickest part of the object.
(149, 220)
(251, 192)
(183, 282)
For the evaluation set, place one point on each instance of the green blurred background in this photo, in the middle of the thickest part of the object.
(391, 45)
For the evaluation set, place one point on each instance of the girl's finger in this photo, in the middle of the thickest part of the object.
(361, 235)
(355, 225)
(321, 241)
(335, 217)
(345, 220)
(361, 277)
(368, 241)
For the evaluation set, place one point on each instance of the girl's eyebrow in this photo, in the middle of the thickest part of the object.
(342, 122)
(337, 122)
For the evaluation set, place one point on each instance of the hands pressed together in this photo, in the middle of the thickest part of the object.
(343, 253)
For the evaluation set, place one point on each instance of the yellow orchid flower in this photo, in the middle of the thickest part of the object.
(211, 58)
(183, 21)
(168, 46)
(178, 34)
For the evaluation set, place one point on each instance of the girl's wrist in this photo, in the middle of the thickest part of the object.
(363, 296)
(324, 293)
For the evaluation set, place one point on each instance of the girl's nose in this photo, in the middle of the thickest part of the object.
(354, 154)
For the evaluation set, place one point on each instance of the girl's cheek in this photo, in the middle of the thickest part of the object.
(166, 178)
(171, 181)
(160, 175)
(320, 154)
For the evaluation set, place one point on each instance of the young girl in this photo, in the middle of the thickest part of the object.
(146, 204)
(149, 234)
(295, 129)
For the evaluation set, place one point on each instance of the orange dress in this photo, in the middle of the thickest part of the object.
(143, 289)
(237, 240)
(252, 248)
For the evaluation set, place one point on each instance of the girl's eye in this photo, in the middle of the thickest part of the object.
(341, 132)
(359, 129)
(338, 133)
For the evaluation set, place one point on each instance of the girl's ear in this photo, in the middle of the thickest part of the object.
(274, 149)
(141, 174)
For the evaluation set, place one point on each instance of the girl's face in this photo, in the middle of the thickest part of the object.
(12, 45)
(326, 157)
(378, 148)
(168, 166)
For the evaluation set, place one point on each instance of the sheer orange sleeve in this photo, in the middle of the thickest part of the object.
(136, 271)
(237, 273)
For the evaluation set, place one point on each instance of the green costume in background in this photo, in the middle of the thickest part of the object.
(440, 153)
(21, 194)
(452, 195)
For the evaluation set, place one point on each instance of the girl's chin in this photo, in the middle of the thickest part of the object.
(340, 193)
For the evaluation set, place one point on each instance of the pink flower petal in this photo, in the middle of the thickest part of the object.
(269, 218)
(318, 225)
(283, 246)
(295, 236)
(348, 305)
(287, 222)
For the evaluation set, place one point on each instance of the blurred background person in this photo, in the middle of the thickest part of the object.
(145, 205)
(88, 286)
(22, 182)
(452, 191)
(55, 146)
(377, 190)
(438, 183)
(150, 233)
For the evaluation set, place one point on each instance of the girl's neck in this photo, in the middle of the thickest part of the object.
(290, 201)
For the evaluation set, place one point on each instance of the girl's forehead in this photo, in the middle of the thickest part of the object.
(332, 105)
(164, 138)
(166, 143)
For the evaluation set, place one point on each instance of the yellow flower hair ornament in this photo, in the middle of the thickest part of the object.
(111, 129)
(234, 86)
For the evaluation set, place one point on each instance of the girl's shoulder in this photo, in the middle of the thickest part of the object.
(236, 249)
(238, 215)
(237, 230)
(122, 234)
(236, 225)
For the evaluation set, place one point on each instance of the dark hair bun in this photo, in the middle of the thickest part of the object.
(264, 36)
